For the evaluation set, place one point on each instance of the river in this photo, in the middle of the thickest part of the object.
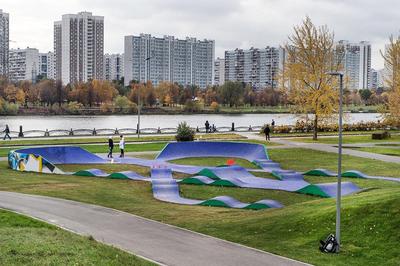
(155, 121)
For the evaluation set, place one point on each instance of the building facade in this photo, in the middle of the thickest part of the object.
(219, 71)
(356, 61)
(47, 66)
(4, 42)
(79, 47)
(23, 64)
(257, 67)
(186, 62)
(113, 66)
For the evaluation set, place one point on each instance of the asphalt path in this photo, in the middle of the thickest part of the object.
(161, 243)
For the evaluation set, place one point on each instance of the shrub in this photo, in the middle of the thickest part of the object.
(124, 105)
(184, 132)
(106, 108)
(214, 106)
(8, 108)
(73, 108)
(192, 106)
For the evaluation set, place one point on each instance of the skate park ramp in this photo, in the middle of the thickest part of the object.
(165, 188)
(180, 150)
(64, 155)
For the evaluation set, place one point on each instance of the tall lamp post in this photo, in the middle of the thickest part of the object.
(339, 177)
(139, 104)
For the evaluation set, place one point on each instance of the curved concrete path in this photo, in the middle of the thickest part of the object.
(158, 242)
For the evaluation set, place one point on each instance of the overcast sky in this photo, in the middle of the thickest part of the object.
(231, 23)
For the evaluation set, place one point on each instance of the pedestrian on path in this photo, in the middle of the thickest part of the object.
(207, 124)
(272, 125)
(7, 133)
(122, 146)
(110, 147)
(267, 132)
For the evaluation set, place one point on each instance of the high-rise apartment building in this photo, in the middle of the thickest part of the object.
(47, 66)
(257, 67)
(113, 66)
(219, 71)
(23, 64)
(79, 47)
(4, 42)
(187, 62)
(356, 61)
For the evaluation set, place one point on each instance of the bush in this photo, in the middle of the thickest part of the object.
(8, 108)
(184, 132)
(214, 106)
(73, 108)
(124, 105)
(106, 108)
(192, 106)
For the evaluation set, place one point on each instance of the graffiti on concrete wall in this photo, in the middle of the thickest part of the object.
(31, 163)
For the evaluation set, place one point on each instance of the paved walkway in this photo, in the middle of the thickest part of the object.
(161, 243)
(326, 148)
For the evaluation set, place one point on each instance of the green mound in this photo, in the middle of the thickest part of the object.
(317, 172)
(223, 183)
(118, 176)
(313, 190)
(214, 203)
(84, 173)
(191, 181)
(257, 206)
(352, 174)
(208, 173)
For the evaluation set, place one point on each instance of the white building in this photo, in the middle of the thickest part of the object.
(113, 66)
(79, 47)
(219, 71)
(257, 67)
(356, 61)
(23, 64)
(4, 42)
(186, 62)
(47, 65)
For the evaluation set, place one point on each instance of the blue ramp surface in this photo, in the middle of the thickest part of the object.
(65, 155)
(179, 150)
(165, 188)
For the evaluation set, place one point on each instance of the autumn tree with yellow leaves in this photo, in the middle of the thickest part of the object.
(391, 110)
(310, 57)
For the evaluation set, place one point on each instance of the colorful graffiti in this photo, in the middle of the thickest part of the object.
(31, 163)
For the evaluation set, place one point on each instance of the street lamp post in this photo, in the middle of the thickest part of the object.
(339, 176)
(139, 103)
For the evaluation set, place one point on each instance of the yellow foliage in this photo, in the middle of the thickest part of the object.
(311, 56)
(392, 60)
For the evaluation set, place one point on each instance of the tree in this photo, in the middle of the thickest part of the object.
(311, 56)
(391, 110)
(365, 95)
(61, 93)
(232, 93)
(46, 90)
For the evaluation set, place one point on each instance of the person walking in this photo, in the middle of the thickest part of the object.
(110, 147)
(267, 132)
(122, 146)
(272, 125)
(7, 133)
(207, 126)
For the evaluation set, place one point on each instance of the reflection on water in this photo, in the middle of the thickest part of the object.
(155, 121)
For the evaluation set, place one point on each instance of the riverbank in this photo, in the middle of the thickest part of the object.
(180, 110)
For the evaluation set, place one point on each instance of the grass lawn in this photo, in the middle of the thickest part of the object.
(381, 150)
(347, 139)
(370, 219)
(26, 241)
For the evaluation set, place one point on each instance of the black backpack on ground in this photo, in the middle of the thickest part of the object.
(330, 245)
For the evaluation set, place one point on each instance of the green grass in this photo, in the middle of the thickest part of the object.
(26, 241)
(381, 150)
(370, 218)
(347, 139)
